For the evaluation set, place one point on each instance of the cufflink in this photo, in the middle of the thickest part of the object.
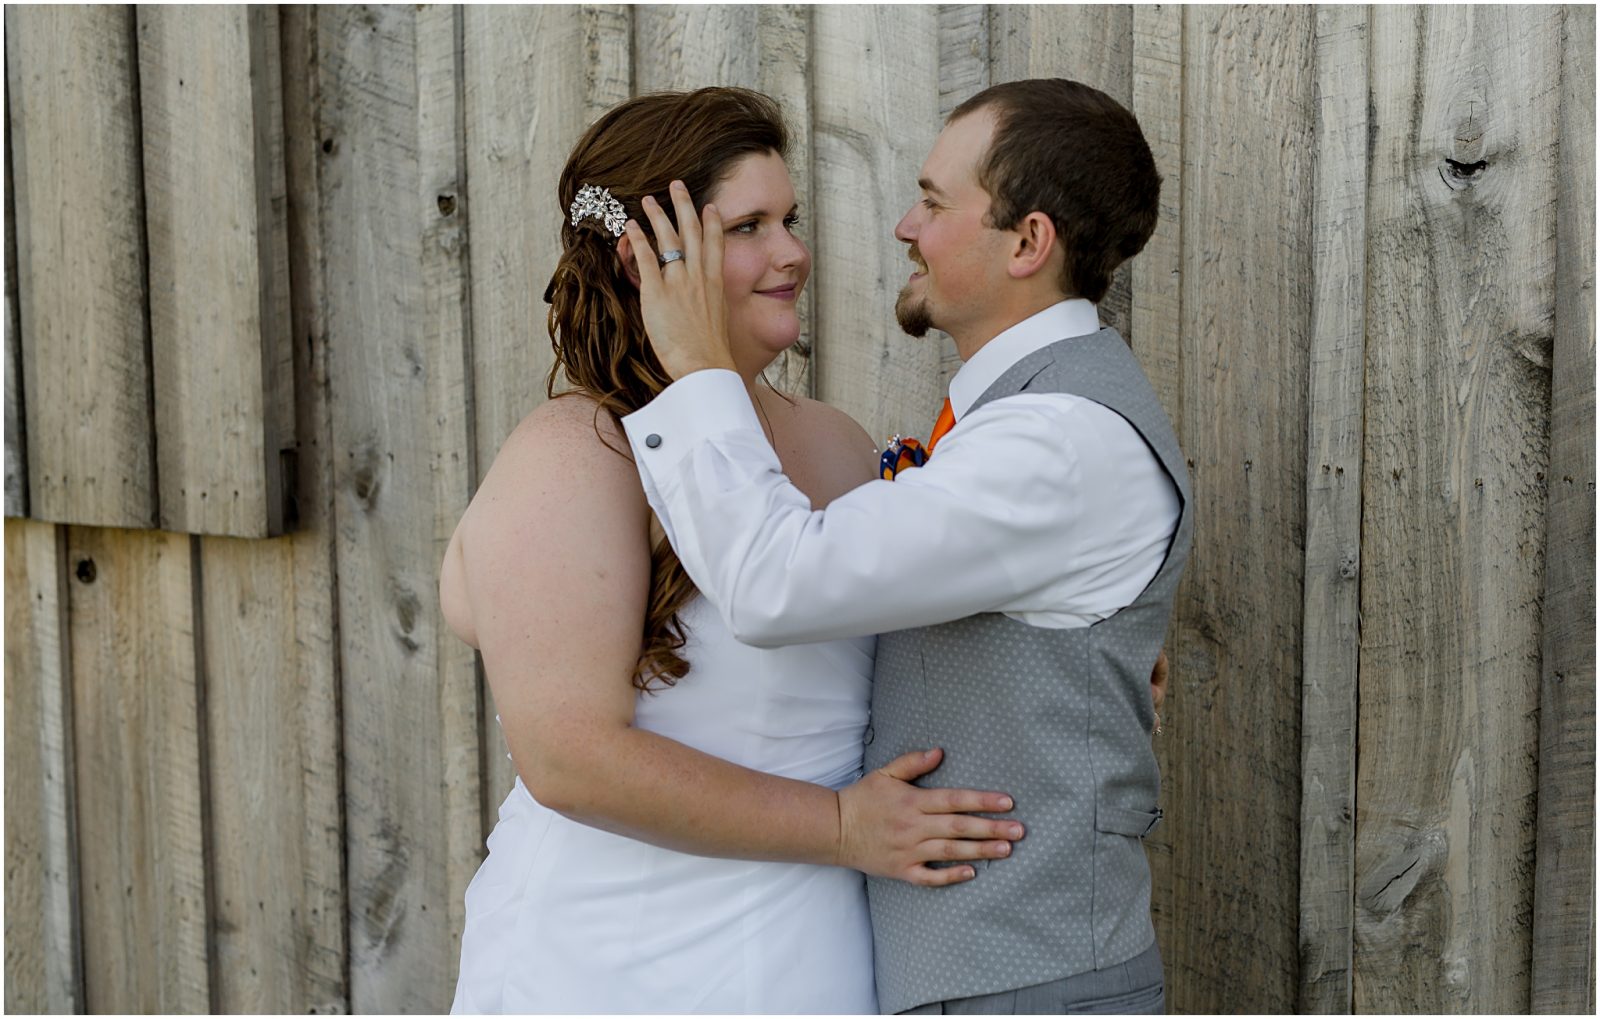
(652, 440)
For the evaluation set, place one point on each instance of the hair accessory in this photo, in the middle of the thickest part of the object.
(596, 203)
(671, 256)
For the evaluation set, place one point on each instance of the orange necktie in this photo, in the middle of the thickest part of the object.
(947, 421)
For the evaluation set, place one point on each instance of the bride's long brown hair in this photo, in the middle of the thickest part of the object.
(638, 148)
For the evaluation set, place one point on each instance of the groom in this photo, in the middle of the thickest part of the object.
(1022, 579)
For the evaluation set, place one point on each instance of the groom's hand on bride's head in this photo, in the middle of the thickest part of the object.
(891, 828)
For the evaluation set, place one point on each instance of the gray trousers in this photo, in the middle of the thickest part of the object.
(1131, 988)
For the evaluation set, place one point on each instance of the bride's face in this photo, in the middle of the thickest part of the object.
(764, 265)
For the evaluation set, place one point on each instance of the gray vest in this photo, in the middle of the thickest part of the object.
(1061, 720)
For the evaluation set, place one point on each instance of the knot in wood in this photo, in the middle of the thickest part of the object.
(1457, 175)
(1348, 567)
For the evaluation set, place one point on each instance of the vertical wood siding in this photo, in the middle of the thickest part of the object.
(16, 446)
(1563, 904)
(71, 74)
(210, 97)
(396, 293)
(1460, 307)
(44, 960)
(299, 253)
(1232, 767)
(136, 695)
(1331, 614)
(875, 90)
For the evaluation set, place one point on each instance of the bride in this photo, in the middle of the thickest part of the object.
(689, 827)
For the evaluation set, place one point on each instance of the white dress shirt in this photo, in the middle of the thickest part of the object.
(1047, 507)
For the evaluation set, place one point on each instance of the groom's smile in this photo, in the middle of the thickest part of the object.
(956, 253)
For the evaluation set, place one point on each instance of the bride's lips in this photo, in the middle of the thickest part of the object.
(781, 293)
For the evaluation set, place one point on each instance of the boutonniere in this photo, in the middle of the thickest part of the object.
(898, 454)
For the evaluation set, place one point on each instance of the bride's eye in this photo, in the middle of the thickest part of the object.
(791, 221)
(745, 228)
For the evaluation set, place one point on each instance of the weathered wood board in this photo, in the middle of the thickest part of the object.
(322, 982)
(875, 86)
(1331, 617)
(689, 46)
(396, 291)
(277, 835)
(272, 799)
(136, 694)
(71, 73)
(1563, 903)
(1231, 770)
(211, 106)
(44, 957)
(1155, 305)
(1461, 262)
(1156, 334)
(16, 447)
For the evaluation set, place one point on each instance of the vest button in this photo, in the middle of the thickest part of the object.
(866, 738)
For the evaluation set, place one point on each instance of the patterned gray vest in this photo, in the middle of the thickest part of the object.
(1060, 719)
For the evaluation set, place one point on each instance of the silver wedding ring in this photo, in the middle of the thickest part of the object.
(671, 256)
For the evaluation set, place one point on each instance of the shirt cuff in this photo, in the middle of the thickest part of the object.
(697, 407)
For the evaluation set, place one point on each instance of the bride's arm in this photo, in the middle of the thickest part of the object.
(555, 560)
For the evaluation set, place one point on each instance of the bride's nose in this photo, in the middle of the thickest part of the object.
(791, 251)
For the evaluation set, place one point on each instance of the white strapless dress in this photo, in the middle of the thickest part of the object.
(562, 917)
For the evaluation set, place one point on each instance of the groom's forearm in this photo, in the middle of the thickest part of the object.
(645, 786)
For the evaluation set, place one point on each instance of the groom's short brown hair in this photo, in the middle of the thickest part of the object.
(1072, 152)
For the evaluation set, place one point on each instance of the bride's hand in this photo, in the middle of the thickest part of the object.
(891, 828)
(681, 300)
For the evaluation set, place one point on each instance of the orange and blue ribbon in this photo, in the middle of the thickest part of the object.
(900, 454)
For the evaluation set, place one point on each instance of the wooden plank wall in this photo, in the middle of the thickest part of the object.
(396, 291)
(1331, 614)
(304, 247)
(1563, 903)
(1460, 307)
(210, 96)
(75, 155)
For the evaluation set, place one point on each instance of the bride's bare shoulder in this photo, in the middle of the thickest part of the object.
(563, 478)
(841, 453)
(839, 430)
(571, 438)
(573, 424)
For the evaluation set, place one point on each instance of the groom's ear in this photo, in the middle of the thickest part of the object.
(1034, 246)
(630, 263)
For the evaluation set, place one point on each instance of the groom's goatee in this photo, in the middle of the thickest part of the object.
(912, 314)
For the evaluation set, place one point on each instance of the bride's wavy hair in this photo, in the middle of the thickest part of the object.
(638, 148)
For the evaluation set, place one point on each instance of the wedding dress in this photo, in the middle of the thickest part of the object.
(562, 917)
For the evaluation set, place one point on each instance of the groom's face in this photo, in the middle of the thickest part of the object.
(953, 249)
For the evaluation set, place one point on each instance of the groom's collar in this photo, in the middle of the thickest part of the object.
(1072, 317)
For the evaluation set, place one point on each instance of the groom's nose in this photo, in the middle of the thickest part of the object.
(903, 230)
